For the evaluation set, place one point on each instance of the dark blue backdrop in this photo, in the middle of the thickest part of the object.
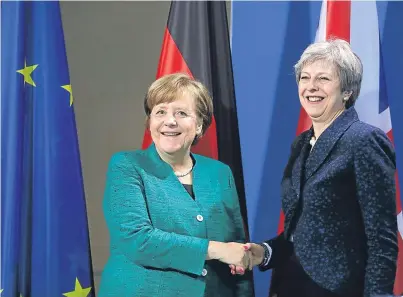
(267, 40)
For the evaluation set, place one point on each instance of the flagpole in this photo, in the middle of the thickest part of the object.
(1, 199)
(230, 25)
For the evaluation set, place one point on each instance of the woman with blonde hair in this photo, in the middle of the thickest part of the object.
(174, 217)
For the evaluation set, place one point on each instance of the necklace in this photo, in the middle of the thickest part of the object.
(182, 174)
(312, 141)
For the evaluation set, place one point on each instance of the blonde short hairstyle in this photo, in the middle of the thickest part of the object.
(167, 89)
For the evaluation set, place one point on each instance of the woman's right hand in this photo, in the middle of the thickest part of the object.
(230, 253)
(256, 255)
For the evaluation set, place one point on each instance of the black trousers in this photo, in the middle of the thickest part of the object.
(291, 280)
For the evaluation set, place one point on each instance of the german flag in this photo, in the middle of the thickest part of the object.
(196, 42)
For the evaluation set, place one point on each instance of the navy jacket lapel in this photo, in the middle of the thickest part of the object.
(292, 179)
(327, 140)
(303, 164)
(301, 150)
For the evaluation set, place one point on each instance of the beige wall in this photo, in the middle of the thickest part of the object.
(113, 50)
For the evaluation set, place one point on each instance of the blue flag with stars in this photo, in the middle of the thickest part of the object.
(45, 249)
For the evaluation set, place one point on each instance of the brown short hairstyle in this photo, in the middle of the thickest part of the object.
(167, 88)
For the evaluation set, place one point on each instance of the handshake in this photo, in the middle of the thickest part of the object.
(238, 256)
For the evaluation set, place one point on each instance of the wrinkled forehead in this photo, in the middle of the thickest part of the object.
(179, 99)
(320, 66)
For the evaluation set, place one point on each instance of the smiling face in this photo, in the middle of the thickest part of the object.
(174, 125)
(319, 91)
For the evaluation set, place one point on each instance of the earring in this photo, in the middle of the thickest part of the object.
(345, 98)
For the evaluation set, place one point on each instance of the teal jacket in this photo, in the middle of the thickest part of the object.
(159, 235)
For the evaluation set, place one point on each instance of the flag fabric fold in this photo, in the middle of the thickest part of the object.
(358, 23)
(196, 42)
(265, 48)
(44, 229)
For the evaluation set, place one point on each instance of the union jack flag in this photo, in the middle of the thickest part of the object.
(267, 39)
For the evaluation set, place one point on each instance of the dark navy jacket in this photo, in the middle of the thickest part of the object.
(339, 205)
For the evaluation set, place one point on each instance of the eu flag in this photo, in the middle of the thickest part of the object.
(45, 250)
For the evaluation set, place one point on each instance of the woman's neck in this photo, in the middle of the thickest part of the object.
(319, 127)
(180, 161)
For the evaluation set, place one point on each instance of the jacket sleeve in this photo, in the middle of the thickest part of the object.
(244, 282)
(127, 218)
(281, 250)
(374, 165)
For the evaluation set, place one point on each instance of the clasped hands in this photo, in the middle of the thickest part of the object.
(239, 256)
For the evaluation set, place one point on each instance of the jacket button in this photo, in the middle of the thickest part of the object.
(204, 272)
(199, 218)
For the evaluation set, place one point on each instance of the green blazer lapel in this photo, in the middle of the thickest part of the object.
(161, 170)
(154, 165)
(202, 183)
(203, 186)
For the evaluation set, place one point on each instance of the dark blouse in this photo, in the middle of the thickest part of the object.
(189, 188)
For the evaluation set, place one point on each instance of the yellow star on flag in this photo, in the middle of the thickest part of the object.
(68, 89)
(78, 291)
(26, 72)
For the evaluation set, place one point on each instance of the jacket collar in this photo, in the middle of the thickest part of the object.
(159, 167)
(202, 182)
(327, 140)
(323, 147)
